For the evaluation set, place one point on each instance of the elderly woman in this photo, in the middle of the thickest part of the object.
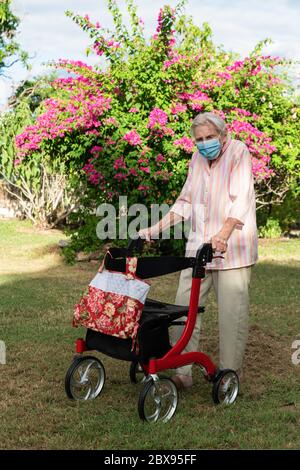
(218, 198)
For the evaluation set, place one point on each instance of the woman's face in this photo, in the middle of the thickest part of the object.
(207, 132)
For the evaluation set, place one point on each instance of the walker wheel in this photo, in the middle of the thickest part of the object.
(225, 387)
(158, 400)
(85, 378)
(136, 373)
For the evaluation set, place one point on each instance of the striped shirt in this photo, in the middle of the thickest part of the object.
(213, 193)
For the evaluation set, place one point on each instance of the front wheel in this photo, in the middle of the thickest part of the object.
(226, 387)
(85, 378)
(158, 400)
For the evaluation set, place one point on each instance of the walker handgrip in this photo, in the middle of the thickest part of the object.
(204, 255)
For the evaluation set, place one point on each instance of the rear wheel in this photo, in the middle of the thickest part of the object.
(226, 387)
(85, 378)
(158, 400)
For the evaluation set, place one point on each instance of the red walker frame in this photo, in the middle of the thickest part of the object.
(173, 358)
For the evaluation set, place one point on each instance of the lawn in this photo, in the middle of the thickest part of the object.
(37, 294)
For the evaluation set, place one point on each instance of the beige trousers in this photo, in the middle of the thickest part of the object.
(231, 289)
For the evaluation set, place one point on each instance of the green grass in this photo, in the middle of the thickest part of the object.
(37, 294)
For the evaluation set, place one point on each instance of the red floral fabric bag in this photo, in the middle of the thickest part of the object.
(114, 302)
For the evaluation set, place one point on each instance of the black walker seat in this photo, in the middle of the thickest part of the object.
(152, 336)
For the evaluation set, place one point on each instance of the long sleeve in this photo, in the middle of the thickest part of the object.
(241, 186)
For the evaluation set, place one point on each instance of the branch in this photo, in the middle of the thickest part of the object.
(277, 195)
(64, 215)
(24, 205)
(26, 190)
(11, 64)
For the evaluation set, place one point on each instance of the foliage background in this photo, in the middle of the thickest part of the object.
(124, 129)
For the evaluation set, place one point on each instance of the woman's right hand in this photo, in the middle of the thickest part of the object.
(146, 234)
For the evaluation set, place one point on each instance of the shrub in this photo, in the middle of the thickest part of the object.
(272, 229)
(123, 129)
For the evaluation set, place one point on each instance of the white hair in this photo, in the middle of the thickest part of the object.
(203, 119)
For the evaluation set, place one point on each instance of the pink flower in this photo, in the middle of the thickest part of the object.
(133, 110)
(146, 169)
(74, 64)
(120, 176)
(110, 141)
(133, 172)
(174, 60)
(178, 108)
(133, 138)
(160, 158)
(93, 175)
(185, 143)
(242, 112)
(157, 117)
(163, 174)
(113, 44)
(96, 149)
(197, 95)
(111, 120)
(236, 66)
(119, 163)
(259, 144)
(225, 75)
(195, 99)
(93, 132)
(168, 131)
(98, 48)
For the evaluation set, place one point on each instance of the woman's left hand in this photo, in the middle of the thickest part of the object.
(219, 243)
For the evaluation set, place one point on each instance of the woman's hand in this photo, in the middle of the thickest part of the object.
(219, 243)
(146, 233)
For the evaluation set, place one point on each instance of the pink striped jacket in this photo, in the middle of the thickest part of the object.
(212, 194)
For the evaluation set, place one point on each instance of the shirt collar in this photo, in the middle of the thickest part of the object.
(226, 145)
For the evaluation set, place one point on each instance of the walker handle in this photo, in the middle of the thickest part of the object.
(204, 255)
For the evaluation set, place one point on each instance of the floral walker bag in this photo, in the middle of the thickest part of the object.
(114, 302)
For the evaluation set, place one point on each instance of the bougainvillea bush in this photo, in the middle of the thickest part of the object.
(123, 127)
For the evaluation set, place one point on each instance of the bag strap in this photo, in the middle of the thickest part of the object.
(103, 261)
(131, 265)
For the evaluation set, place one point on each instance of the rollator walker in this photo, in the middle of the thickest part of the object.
(153, 354)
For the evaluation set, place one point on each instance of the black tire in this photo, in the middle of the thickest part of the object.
(93, 382)
(136, 373)
(226, 387)
(157, 392)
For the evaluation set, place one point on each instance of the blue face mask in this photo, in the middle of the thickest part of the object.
(209, 149)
